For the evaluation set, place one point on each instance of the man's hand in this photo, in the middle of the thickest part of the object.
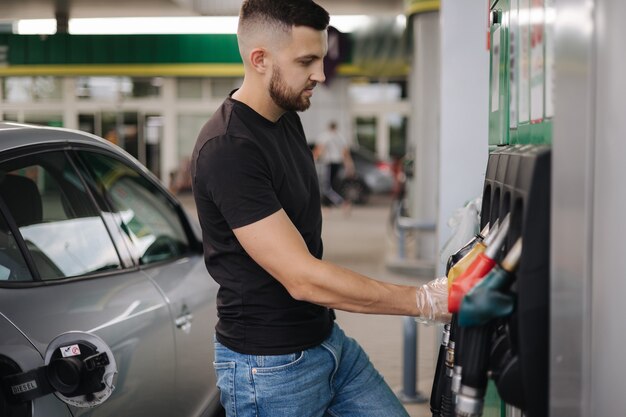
(432, 301)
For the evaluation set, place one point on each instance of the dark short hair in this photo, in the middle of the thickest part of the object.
(288, 12)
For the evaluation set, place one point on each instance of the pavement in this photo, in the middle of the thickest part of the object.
(361, 240)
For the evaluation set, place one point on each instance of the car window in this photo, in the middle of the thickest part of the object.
(62, 229)
(149, 218)
(12, 264)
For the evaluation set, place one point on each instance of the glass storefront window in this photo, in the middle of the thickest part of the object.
(397, 134)
(153, 137)
(44, 119)
(189, 126)
(87, 123)
(366, 132)
(375, 92)
(147, 87)
(122, 129)
(32, 89)
(117, 88)
(189, 88)
(221, 87)
(10, 117)
(102, 88)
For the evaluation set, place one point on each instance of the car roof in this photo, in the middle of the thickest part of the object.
(17, 135)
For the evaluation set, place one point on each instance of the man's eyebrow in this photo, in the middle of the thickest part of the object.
(307, 57)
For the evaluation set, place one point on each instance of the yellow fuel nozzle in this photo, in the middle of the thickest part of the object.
(465, 262)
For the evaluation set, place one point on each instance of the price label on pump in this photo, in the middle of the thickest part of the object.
(549, 39)
(523, 62)
(495, 70)
(513, 57)
(536, 61)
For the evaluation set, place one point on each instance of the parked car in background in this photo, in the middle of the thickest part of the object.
(372, 176)
(104, 297)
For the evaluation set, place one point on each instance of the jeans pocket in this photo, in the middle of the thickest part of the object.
(225, 372)
(276, 363)
(296, 386)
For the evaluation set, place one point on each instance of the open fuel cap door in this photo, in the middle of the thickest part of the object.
(80, 368)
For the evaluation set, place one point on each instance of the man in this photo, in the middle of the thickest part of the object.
(333, 152)
(278, 351)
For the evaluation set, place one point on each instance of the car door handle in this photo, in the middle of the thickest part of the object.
(183, 321)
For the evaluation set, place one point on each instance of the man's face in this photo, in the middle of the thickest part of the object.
(298, 68)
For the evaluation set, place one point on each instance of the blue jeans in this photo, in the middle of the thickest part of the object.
(334, 379)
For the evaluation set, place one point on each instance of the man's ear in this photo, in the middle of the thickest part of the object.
(259, 60)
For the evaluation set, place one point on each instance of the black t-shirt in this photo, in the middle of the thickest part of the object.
(245, 168)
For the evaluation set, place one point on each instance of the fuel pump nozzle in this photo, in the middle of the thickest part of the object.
(439, 381)
(477, 339)
(489, 299)
(483, 263)
(441, 399)
(447, 397)
(464, 257)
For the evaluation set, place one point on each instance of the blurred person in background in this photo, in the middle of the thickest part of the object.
(333, 152)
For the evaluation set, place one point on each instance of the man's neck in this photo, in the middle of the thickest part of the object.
(261, 103)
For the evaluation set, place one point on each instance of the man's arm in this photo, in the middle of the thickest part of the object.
(277, 246)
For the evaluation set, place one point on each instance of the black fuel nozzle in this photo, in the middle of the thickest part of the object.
(476, 349)
(447, 397)
(439, 381)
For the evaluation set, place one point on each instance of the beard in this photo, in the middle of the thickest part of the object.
(284, 97)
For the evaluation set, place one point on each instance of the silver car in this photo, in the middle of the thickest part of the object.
(371, 176)
(106, 307)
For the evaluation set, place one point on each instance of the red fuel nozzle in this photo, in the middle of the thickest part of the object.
(483, 263)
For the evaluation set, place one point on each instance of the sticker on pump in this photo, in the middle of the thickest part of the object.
(69, 351)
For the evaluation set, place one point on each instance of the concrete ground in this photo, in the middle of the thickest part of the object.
(362, 241)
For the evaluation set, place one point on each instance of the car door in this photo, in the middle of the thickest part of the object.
(171, 256)
(77, 280)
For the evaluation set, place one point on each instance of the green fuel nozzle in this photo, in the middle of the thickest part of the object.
(490, 298)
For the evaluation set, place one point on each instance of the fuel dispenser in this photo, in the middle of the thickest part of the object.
(500, 300)
(500, 326)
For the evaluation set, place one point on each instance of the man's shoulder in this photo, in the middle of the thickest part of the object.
(218, 123)
(223, 124)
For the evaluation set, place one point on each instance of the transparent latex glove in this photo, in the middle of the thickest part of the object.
(432, 301)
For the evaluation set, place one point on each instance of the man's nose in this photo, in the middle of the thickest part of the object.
(318, 74)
